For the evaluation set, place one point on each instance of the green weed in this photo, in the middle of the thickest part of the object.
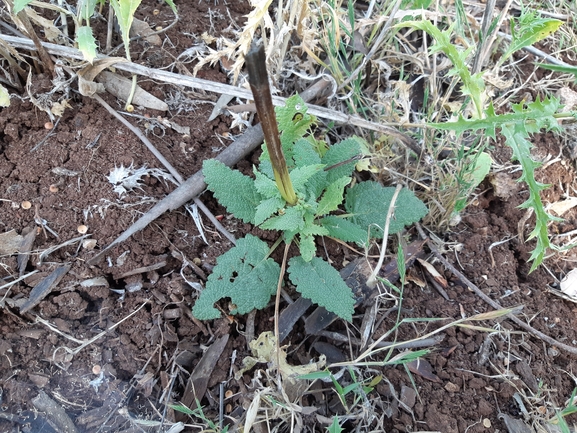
(320, 179)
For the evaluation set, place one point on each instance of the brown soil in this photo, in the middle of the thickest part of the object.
(476, 374)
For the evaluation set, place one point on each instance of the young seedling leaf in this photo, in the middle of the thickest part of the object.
(293, 122)
(4, 97)
(86, 43)
(124, 10)
(86, 9)
(232, 189)
(20, 5)
(368, 203)
(244, 275)
(292, 219)
(268, 208)
(333, 196)
(345, 230)
(322, 284)
(531, 29)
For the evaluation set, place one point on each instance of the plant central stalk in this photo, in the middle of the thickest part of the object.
(258, 79)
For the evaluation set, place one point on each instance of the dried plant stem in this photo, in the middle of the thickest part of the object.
(372, 281)
(255, 61)
(197, 83)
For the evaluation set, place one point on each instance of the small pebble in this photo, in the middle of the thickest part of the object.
(155, 12)
(49, 125)
(82, 229)
(96, 369)
(158, 28)
(53, 188)
(26, 204)
(228, 393)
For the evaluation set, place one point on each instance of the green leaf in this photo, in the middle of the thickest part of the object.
(244, 275)
(20, 5)
(292, 220)
(368, 203)
(85, 9)
(333, 196)
(172, 6)
(322, 284)
(124, 10)
(540, 113)
(232, 189)
(473, 85)
(345, 230)
(293, 122)
(86, 43)
(560, 68)
(305, 154)
(265, 185)
(531, 30)
(335, 427)
(516, 137)
(473, 177)
(267, 208)
(301, 175)
(4, 97)
(307, 246)
(348, 149)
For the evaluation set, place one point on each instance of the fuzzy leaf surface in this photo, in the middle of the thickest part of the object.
(333, 196)
(368, 203)
(244, 275)
(232, 189)
(267, 208)
(293, 121)
(322, 284)
(348, 149)
(345, 230)
(292, 220)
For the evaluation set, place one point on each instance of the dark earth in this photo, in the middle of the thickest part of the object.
(128, 375)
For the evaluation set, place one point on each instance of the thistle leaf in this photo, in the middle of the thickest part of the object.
(244, 275)
(232, 189)
(322, 284)
(86, 43)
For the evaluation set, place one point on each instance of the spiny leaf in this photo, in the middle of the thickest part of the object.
(516, 139)
(368, 203)
(86, 43)
(473, 85)
(85, 9)
(244, 275)
(322, 284)
(539, 112)
(124, 10)
(232, 189)
(531, 30)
